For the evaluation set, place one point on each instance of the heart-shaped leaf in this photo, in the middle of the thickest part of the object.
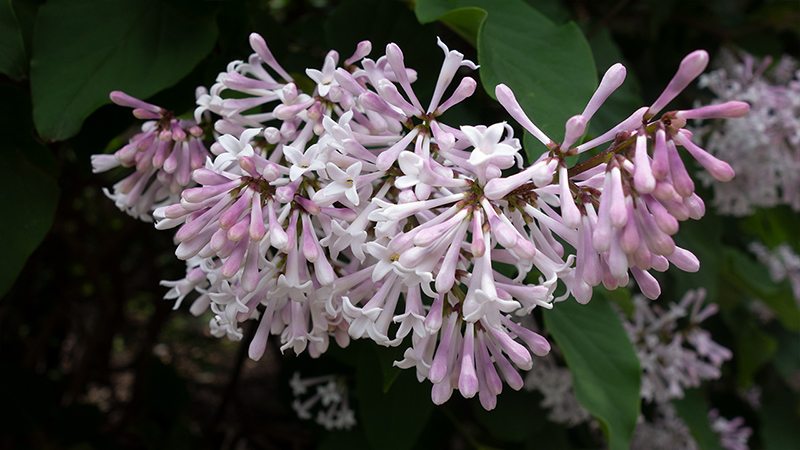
(82, 50)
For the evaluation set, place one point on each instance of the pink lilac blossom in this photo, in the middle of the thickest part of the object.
(648, 188)
(164, 154)
(674, 358)
(764, 146)
(355, 212)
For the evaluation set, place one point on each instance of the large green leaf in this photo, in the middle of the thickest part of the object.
(13, 61)
(28, 188)
(605, 369)
(395, 419)
(84, 49)
(466, 21)
(550, 68)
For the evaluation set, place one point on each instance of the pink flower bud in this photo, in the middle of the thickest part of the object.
(720, 170)
(144, 114)
(731, 110)
(362, 49)
(691, 67)
(260, 47)
(569, 212)
(575, 127)
(464, 90)
(123, 99)
(617, 212)
(685, 260)
(643, 178)
(612, 79)
(506, 98)
(681, 180)
(439, 370)
(468, 378)
(647, 283)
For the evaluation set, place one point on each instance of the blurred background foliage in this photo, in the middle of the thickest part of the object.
(92, 358)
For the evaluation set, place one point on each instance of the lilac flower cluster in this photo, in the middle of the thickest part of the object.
(764, 147)
(673, 357)
(165, 154)
(353, 211)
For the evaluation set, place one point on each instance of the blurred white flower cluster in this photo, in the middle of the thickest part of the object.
(782, 262)
(675, 353)
(329, 396)
(764, 146)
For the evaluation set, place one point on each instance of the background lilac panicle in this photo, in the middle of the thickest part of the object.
(330, 211)
(675, 354)
(783, 263)
(674, 358)
(330, 393)
(764, 147)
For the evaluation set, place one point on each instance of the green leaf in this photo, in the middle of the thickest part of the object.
(466, 22)
(754, 347)
(774, 226)
(753, 278)
(779, 418)
(693, 409)
(787, 356)
(13, 61)
(704, 239)
(386, 356)
(620, 296)
(84, 49)
(550, 68)
(605, 369)
(395, 419)
(28, 188)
